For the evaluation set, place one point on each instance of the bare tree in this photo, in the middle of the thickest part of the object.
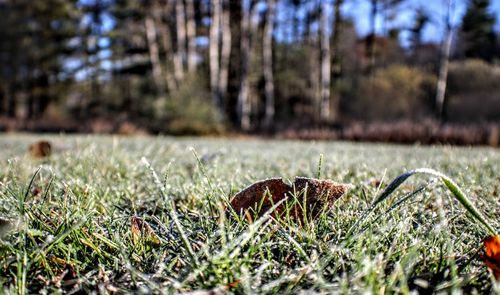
(267, 62)
(336, 67)
(421, 20)
(225, 50)
(181, 41)
(377, 7)
(216, 7)
(443, 65)
(154, 54)
(325, 64)
(335, 40)
(371, 38)
(244, 106)
(191, 36)
(166, 41)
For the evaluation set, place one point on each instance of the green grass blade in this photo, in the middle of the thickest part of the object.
(173, 213)
(448, 182)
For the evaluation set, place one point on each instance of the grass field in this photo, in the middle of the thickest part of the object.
(71, 230)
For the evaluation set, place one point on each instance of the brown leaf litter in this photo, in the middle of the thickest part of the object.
(40, 149)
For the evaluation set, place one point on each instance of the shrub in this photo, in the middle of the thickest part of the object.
(295, 91)
(472, 75)
(395, 92)
(473, 91)
(189, 110)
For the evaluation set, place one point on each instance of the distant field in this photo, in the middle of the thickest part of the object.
(71, 231)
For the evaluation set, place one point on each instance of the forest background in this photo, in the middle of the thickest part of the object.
(383, 70)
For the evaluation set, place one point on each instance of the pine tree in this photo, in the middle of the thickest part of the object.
(477, 30)
(35, 47)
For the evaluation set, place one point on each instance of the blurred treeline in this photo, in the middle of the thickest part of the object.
(187, 66)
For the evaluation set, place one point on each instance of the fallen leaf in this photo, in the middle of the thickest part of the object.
(320, 194)
(491, 256)
(262, 195)
(141, 230)
(40, 149)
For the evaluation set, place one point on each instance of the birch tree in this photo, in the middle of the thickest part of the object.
(267, 59)
(443, 65)
(154, 54)
(181, 41)
(325, 72)
(225, 50)
(191, 36)
(166, 42)
(244, 106)
(216, 7)
(336, 67)
(370, 39)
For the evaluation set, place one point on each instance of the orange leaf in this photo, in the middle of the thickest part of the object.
(491, 256)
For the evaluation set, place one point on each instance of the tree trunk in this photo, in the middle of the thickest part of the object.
(225, 51)
(443, 65)
(44, 97)
(244, 108)
(371, 38)
(166, 41)
(231, 101)
(336, 66)
(29, 85)
(154, 55)
(214, 51)
(254, 100)
(2, 99)
(267, 66)
(325, 65)
(11, 101)
(181, 41)
(296, 22)
(191, 36)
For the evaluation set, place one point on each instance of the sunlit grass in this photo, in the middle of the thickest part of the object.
(79, 218)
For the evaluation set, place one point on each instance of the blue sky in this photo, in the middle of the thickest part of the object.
(404, 15)
(360, 9)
